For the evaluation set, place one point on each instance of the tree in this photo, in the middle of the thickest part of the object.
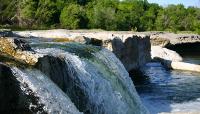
(27, 10)
(73, 17)
(172, 18)
(47, 13)
(102, 14)
(149, 18)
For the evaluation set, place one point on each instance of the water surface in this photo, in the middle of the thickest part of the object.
(171, 91)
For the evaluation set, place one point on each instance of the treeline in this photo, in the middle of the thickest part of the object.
(136, 15)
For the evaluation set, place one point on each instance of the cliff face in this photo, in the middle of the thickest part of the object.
(133, 50)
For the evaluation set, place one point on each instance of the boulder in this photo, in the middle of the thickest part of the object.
(133, 52)
(165, 54)
(14, 48)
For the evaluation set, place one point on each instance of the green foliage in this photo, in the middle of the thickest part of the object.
(136, 15)
(102, 14)
(27, 12)
(72, 17)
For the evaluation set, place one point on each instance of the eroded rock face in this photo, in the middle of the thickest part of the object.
(166, 39)
(133, 50)
(158, 52)
(18, 50)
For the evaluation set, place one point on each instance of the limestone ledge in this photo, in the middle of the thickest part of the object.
(132, 49)
(17, 49)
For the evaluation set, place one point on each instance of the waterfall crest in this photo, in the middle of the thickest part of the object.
(97, 83)
(65, 78)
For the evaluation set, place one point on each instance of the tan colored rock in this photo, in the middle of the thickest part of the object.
(17, 49)
(183, 66)
(167, 39)
(157, 41)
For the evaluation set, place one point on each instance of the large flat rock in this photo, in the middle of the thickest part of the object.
(166, 39)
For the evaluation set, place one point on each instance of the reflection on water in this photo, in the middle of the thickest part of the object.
(169, 91)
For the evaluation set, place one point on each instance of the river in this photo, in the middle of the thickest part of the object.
(170, 91)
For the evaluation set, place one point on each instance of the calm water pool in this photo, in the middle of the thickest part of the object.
(163, 90)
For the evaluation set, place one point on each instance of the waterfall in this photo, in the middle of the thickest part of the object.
(65, 78)
(93, 78)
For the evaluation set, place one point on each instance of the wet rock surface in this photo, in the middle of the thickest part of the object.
(27, 92)
(13, 98)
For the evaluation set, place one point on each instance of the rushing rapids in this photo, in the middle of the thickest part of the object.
(69, 78)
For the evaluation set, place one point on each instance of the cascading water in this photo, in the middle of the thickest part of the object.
(93, 78)
(71, 78)
(36, 93)
(49, 95)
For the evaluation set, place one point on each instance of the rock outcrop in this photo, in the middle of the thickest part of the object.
(172, 60)
(13, 48)
(165, 39)
(180, 65)
(164, 53)
(133, 50)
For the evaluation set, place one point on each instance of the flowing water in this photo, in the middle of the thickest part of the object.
(170, 91)
(101, 79)
(50, 98)
(72, 78)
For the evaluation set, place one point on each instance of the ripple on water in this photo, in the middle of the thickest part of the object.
(170, 91)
